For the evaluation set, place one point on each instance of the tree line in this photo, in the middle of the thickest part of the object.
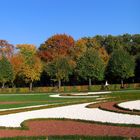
(62, 60)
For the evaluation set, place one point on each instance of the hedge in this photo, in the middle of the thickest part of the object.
(66, 89)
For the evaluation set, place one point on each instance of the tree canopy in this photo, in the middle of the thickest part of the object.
(62, 58)
(6, 71)
(121, 65)
(31, 66)
(57, 45)
(60, 69)
(6, 49)
(90, 66)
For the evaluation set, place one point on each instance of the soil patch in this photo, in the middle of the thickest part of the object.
(112, 106)
(68, 127)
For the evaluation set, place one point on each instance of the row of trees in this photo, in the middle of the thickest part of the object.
(61, 58)
(25, 64)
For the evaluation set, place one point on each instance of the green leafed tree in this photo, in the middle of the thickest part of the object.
(121, 65)
(90, 66)
(60, 69)
(6, 71)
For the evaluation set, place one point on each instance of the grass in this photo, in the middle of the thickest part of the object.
(36, 99)
(23, 100)
(124, 95)
(39, 99)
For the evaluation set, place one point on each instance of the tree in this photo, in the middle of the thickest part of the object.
(111, 43)
(58, 49)
(90, 66)
(60, 69)
(103, 54)
(91, 42)
(17, 62)
(135, 44)
(137, 69)
(31, 67)
(121, 65)
(57, 45)
(6, 71)
(79, 48)
(6, 49)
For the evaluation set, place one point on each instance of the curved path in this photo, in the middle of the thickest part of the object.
(73, 96)
(131, 105)
(82, 95)
(70, 112)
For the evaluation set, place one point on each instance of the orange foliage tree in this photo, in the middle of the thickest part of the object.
(59, 44)
(17, 61)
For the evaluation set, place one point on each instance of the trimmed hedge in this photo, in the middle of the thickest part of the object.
(66, 89)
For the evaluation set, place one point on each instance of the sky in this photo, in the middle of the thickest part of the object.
(34, 21)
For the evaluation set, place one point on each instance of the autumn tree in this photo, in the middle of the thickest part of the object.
(90, 66)
(6, 71)
(17, 61)
(80, 48)
(6, 49)
(55, 53)
(91, 42)
(57, 45)
(121, 65)
(31, 66)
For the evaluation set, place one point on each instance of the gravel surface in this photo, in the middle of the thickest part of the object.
(131, 105)
(70, 112)
(81, 95)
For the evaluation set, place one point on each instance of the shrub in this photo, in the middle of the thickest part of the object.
(66, 89)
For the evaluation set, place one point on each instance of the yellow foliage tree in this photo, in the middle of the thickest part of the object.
(83, 44)
(32, 65)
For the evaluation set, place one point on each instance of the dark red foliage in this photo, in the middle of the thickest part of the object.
(60, 44)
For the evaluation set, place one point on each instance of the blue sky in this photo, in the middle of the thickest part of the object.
(33, 21)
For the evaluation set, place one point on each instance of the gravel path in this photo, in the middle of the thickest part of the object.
(70, 112)
(82, 95)
(131, 105)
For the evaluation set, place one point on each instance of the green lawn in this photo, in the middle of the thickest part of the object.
(125, 95)
(24, 100)
(37, 99)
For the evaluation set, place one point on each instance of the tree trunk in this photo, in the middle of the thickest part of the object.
(59, 83)
(3, 85)
(31, 86)
(122, 86)
(13, 85)
(89, 82)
